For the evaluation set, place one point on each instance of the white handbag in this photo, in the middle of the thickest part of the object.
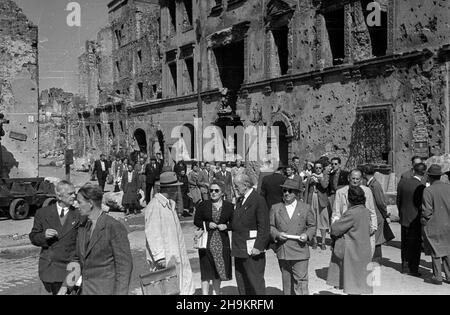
(201, 241)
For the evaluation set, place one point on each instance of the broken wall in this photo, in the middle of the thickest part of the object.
(19, 91)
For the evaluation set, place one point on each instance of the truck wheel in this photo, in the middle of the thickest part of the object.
(48, 202)
(18, 210)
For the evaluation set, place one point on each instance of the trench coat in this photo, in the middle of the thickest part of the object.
(194, 187)
(354, 226)
(165, 240)
(130, 190)
(436, 218)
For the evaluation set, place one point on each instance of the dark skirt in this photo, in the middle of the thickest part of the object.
(208, 267)
(130, 197)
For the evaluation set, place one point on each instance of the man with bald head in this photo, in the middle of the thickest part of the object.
(55, 231)
(250, 227)
(341, 205)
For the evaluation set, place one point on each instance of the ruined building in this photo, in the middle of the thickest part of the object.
(18, 92)
(363, 80)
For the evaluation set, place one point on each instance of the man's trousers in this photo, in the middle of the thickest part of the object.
(250, 275)
(412, 245)
(295, 276)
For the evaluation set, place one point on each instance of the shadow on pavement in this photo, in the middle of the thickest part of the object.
(326, 293)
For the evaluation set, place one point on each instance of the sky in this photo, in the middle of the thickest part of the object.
(60, 45)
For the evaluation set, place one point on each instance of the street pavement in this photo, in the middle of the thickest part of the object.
(18, 273)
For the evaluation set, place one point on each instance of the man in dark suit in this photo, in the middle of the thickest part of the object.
(101, 168)
(151, 175)
(292, 217)
(55, 231)
(250, 237)
(410, 173)
(225, 176)
(103, 249)
(409, 203)
(271, 187)
(338, 178)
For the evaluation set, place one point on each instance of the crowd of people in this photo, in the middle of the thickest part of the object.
(282, 211)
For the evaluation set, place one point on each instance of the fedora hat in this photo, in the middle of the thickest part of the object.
(291, 184)
(435, 170)
(169, 179)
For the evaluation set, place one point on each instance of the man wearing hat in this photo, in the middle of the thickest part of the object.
(292, 224)
(436, 222)
(164, 237)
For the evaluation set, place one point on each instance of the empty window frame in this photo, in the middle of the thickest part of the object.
(188, 12)
(172, 8)
(335, 24)
(378, 33)
(231, 64)
(281, 38)
(140, 94)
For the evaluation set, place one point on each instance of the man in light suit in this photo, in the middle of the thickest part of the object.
(55, 231)
(250, 237)
(101, 168)
(292, 217)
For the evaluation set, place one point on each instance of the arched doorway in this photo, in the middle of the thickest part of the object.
(141, 140)
(283, 145)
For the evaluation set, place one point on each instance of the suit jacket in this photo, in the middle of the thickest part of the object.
(106, 263)
(204, 179)
(250, 216)
(226, 180)
(410, 174)
(436, 218)
(384, 232)
(342, 180)
(271, 190)
(303, 221)
(57, 252)
(322, 191)
(151, 174)
(98, 169)
(409, 200)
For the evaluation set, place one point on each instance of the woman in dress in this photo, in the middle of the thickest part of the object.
(316, 194)
(215, 260)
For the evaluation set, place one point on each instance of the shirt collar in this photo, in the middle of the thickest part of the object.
(370, 181)
(248, 193)
(417, 177)
(292, 205)
(163, 200)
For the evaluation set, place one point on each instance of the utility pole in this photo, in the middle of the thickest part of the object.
(200, 113)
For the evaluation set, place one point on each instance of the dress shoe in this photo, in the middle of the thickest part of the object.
(314, 246)
(323, 247)
(405, 268)
(186, 214)
(435, 281)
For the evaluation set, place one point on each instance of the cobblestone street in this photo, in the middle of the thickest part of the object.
(18, 275)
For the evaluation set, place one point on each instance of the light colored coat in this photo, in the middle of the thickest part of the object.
(165, 239)
(354, 227)
(436, 218)
(303, 221)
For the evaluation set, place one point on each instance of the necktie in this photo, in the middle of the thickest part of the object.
(62, 214)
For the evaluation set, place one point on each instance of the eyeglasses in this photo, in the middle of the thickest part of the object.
(217, 191)
(290, 191)
(318, 168)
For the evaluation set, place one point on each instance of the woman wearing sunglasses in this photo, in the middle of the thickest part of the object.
(215, 260)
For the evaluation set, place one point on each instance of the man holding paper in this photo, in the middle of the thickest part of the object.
(292, 224)
(250, 237)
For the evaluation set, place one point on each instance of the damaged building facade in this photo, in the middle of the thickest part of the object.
(18, 92)
(363, 80)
